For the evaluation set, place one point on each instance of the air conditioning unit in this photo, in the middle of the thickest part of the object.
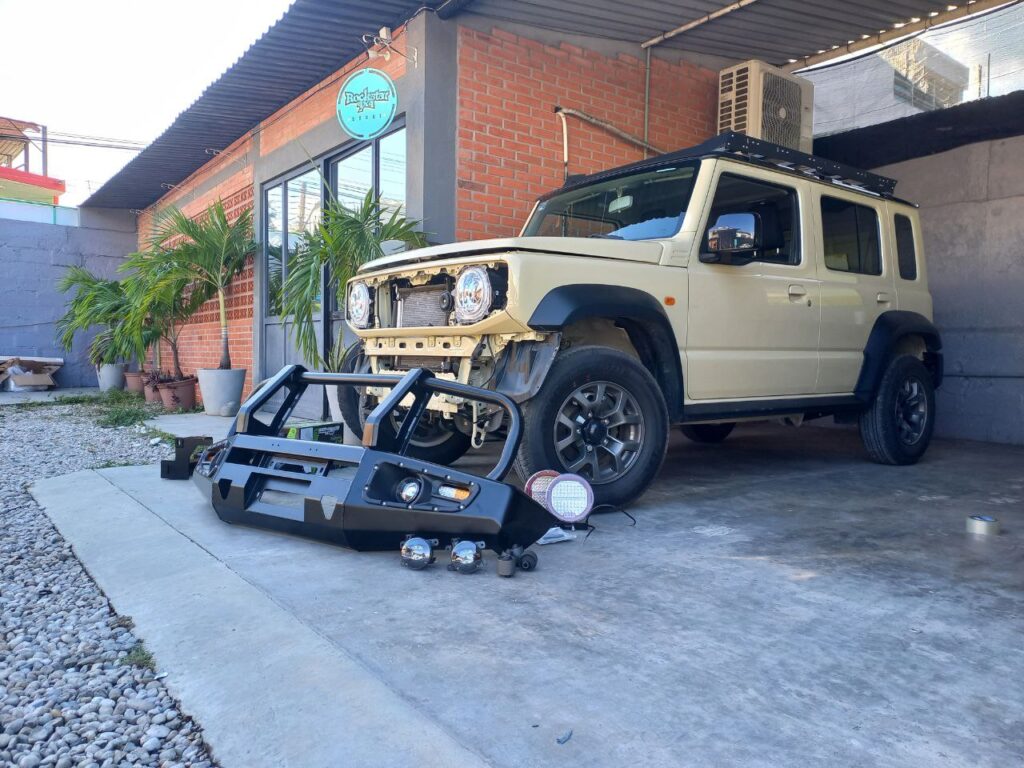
(766, 103)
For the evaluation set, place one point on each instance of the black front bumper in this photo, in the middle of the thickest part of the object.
(347, 494)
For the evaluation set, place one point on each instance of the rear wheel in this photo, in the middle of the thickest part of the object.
(435, 440)
(601, 415)
(897, 427)
(708, 433)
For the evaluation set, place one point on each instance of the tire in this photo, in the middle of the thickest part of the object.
(897, 427)
(601, 382)
(437, 442)
(708, 433)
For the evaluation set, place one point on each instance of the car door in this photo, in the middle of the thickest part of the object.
(752, 329)
(854, 266)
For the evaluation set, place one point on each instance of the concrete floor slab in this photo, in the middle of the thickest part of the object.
(779, 601)
(191, 424)
(45, 396)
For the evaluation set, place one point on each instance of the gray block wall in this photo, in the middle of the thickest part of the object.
(972, 214)
(33, 257)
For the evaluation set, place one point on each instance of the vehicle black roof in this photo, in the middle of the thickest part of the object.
(738, 146)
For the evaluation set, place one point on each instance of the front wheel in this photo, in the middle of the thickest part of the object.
(600, 415)
(897, 426)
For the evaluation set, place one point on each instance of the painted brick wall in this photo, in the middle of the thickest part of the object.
(509, 139)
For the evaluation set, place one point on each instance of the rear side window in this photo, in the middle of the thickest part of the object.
(850, 237)
(905, 252)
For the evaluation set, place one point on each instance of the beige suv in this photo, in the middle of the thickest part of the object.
(733, 281)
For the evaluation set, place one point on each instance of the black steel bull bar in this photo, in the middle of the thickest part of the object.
(348, 494)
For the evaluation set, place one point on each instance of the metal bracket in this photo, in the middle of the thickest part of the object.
(181, 466)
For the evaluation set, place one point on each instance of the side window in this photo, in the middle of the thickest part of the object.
(850, 237)
(752, 213)
(905, 252)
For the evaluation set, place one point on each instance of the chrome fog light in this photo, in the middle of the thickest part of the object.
(417, 553)
(466, 557)
(409, 490)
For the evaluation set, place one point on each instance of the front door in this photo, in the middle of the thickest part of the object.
(752, 330)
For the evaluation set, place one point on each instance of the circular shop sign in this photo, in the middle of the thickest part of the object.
(367, 103)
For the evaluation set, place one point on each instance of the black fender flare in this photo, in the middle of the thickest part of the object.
(638, 313)
(889, 328)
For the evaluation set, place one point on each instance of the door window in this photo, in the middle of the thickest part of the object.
(274, 239)
(763, 216)
(850, 237)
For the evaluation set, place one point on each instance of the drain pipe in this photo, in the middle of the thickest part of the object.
(647, 97)
(604, 125)
(565, 143)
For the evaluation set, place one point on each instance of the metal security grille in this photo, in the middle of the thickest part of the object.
(782, 112)
(422, 307)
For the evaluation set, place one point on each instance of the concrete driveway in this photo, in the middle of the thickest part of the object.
(779, 601)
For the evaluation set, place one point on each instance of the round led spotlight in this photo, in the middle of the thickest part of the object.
(537, 486)
(359, 305)
(570, 498)
(466, 557)
(417, 553)
(409, 490)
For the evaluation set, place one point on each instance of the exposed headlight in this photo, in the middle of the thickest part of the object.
(473, 295)
(417, 553)
(359, 305)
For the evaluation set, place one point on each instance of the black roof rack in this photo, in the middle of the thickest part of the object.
(738, 146)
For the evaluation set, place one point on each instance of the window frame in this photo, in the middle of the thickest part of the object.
(325, 164)
(879, 234)
(797, 222)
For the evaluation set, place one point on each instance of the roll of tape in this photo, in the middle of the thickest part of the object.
(983, 524)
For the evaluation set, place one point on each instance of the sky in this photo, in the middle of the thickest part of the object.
(120, 69)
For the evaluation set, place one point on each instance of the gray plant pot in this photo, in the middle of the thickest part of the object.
(221, 390)
(110, 376)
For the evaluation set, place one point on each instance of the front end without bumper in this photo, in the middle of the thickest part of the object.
(349, 495)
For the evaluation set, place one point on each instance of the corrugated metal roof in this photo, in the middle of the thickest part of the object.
(316, 37)
(772, 30)
(313, 39)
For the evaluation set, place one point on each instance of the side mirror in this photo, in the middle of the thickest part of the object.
(734, 239)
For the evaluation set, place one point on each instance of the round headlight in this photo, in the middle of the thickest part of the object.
(473, 295)
(409, 490)
(417, 553)
(466, 557)
(570, 498)
(359, 305)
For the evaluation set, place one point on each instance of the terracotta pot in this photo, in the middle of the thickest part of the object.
(152, 393)
(133, 381)
(178, 395)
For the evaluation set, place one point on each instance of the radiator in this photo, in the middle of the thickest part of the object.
(421, 308)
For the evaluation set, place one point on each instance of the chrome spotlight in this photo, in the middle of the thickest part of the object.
(466, 557)
(417, 553)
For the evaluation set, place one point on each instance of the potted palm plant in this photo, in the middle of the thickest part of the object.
(161, 302)
(97, 302)
(344, 240)
(209, 251)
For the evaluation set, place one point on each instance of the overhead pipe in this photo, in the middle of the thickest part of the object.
(696, 23)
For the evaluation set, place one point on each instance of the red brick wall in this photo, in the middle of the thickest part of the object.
(509, 138)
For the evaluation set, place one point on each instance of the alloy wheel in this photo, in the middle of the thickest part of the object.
(599, 432)
(911, 411)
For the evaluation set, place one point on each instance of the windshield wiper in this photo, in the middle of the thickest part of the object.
(606, 237)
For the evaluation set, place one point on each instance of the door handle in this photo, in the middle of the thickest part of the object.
(797, 291)
(883, 298)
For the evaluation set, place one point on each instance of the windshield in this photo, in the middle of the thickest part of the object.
(642, 206)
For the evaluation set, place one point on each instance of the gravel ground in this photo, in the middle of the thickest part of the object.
(76, 687)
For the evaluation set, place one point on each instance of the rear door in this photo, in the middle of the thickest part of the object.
(752, 330)
(854, 266)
